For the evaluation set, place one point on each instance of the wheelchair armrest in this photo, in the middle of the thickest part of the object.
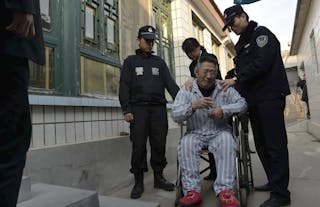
(235, 124)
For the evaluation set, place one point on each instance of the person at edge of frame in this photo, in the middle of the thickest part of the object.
(20, 39)
(261, 74)
(144, 78)
(194, 51)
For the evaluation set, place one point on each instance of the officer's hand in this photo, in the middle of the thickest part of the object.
(22, 25)
(205, 102)
(225, 84)
(188, 84)
(128, 117)
(216, 113)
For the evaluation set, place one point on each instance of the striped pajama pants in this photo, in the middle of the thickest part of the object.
(223, 147)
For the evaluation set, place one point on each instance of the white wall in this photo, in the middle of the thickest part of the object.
(305, 55)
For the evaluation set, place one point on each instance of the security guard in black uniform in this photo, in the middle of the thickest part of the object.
(262, 78)
(144, 78)
(20, 39)
(194, 51)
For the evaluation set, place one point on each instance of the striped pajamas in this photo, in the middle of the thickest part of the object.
(204, 131)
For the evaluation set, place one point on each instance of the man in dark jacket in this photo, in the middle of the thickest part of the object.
(262, 80)
(194, 50)
(20, 40)
(144, 78)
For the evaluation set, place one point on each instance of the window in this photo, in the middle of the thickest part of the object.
(111, 27)
(314, 52)
(41, 76)
(161, 20)
(197, 28)
(99, 30)
(99, 79)
(45, 14)
(89, 24)
(100, 48)
(45, 8)
(215, 46)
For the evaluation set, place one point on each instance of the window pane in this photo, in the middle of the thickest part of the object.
(110, 2)
(113, 77)
(45, 14)
(153, 18)
(41, 76)
(99, 79)
(167, 55)
(165, 26)
(110, 29)
(89, 22)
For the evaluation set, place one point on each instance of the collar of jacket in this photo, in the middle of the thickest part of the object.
(203, 50)
(195, 88)
(139, 52)
(246, 35)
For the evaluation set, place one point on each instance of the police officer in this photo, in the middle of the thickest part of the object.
(194, 51)
(261, 75)
(20, 39)
(144, 78)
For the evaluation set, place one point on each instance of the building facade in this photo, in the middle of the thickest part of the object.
(79, 135)
(306, 46)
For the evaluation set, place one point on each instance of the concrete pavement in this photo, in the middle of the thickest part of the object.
(304, 155)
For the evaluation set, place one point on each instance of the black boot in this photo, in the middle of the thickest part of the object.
(161, 183)
(138, 187)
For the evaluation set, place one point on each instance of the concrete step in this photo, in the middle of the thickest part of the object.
(25, 189)
(106, 201)
(45, 195)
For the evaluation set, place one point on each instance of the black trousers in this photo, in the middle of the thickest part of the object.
(15, 126)
(270, 136)
(149, 121)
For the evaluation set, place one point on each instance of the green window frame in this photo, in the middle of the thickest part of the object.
(42, 78)
(111, 28)
(90, 19)
(99, 56)
(161, 19)
(99, 79)
(99, 23)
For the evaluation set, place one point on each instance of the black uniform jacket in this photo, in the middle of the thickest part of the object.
(143, 80)
(259, 67)
(10, 44)
(194, 63)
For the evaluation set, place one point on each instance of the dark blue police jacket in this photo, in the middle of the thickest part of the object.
(259, 67)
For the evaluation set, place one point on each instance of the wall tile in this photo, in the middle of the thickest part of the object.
(38, 135)
(49, 134)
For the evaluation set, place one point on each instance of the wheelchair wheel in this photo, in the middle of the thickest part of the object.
(242, 175)
(242, 196)
(244, 163)
(179, 191)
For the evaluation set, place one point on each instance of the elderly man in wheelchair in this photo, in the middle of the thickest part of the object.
(207, 109)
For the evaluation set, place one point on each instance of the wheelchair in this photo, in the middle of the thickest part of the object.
(244, 177)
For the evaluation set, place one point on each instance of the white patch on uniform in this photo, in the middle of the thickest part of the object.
(262, 40)
(139, 70)
(247, 45)
(155, 71)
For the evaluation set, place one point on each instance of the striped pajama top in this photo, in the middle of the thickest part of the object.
(198, 120)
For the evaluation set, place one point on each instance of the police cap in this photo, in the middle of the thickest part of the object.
(147, 32)
(230, 13)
